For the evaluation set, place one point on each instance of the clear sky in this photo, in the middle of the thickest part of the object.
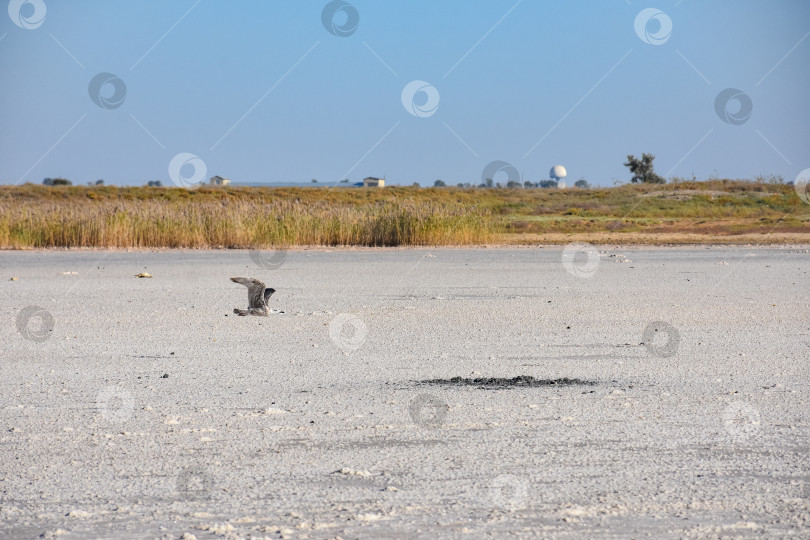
(263, 92)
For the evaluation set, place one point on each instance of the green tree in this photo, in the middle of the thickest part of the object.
(439, 183)
(642, 169)
(582, 183)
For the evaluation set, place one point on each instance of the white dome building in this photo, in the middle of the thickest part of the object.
(558, 173)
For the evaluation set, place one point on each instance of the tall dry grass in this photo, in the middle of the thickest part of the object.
(237, 217)
(236, 223)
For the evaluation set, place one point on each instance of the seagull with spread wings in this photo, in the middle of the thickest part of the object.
(258, 295)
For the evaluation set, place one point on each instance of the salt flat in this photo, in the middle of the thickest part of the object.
(144, 408)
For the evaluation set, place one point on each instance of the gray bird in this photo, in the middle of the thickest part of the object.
(258, 295)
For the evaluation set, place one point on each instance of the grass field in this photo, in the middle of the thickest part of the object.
(35, 216)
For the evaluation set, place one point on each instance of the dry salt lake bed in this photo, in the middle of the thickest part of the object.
(415, 393)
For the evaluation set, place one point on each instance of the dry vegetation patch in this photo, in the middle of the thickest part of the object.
(33, 216)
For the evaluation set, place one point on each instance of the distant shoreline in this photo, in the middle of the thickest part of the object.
(708, 244)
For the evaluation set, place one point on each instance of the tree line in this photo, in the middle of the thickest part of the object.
(642, 171)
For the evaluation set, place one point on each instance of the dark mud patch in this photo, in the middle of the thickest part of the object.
(522, 381)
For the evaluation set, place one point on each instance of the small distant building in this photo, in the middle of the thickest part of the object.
(373, 182)
(219, 181)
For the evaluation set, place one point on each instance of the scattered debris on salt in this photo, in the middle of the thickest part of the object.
(352, 472)
(78, 514)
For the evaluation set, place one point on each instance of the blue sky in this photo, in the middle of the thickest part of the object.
(263, 92)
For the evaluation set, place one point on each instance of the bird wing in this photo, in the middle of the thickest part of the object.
(268, 293)
(255, 291)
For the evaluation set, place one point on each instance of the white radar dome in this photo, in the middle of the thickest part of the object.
(558, 172)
